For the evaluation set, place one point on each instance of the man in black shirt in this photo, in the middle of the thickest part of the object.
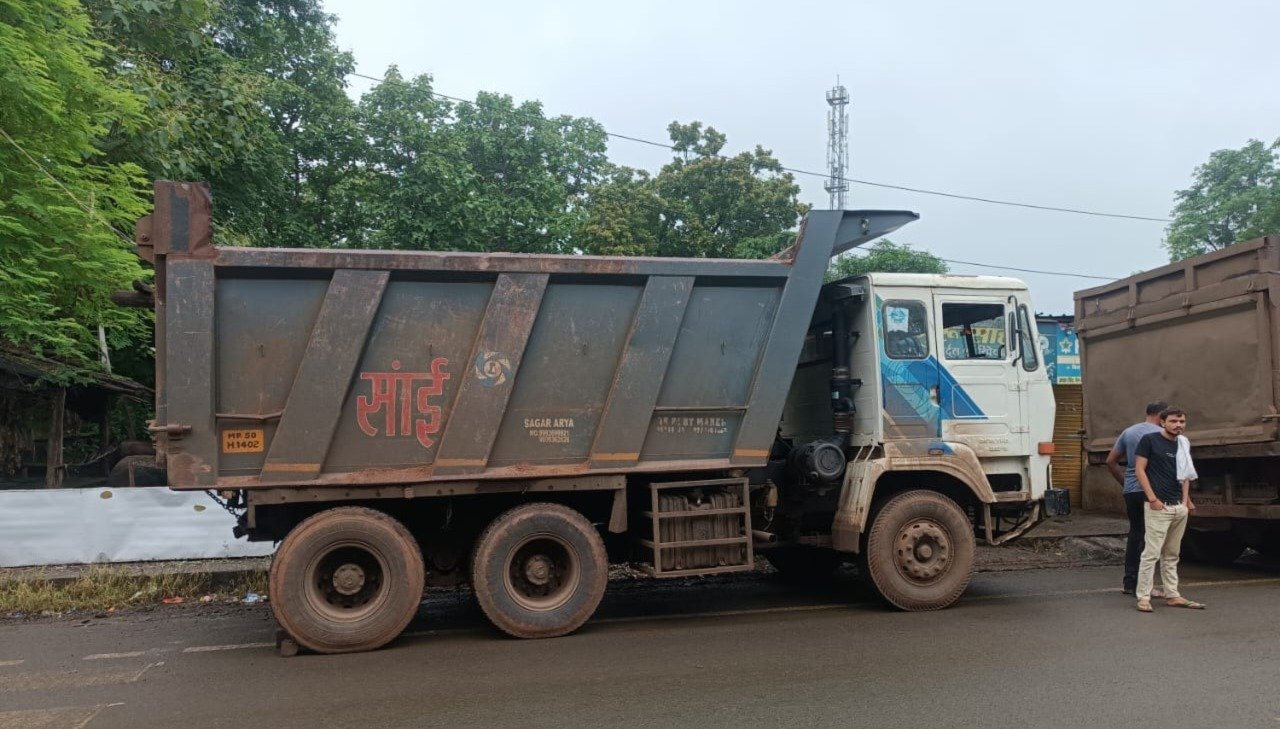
(1168, 504)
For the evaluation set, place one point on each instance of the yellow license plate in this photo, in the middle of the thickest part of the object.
(242, 441)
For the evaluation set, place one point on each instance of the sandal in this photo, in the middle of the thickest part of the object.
(1182, 602)
(1144, 606)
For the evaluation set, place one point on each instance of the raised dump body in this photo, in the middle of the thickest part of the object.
(397, 419)
(339, 367)
(1203, 334)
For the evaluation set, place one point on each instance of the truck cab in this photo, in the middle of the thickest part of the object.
(936, 385)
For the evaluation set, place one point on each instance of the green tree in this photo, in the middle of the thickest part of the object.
(701, 204)
(203, 117)
(246, 94)
(1234, 196)
(301, 76)
(886, 257)
(484, 176)
(59, 258)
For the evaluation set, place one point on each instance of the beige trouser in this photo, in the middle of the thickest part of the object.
(1164, 542)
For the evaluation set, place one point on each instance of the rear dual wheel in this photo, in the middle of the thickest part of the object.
(539, 571)
(345, 580)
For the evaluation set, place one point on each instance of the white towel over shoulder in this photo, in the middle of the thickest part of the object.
(1186, 468)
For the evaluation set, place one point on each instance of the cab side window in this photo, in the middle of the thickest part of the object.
(974, 331)
(906, 330)
(1028, 341)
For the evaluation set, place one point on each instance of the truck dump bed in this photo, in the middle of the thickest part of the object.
(1201, 334)
(340, 367)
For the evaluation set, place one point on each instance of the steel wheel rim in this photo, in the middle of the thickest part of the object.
(542, 572)
(347, 582)
(922, 551)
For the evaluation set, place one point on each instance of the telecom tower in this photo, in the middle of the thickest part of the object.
(837, 144)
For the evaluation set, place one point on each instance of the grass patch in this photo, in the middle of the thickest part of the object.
(107, 588)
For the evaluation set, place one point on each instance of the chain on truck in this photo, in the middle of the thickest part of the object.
(402, 419)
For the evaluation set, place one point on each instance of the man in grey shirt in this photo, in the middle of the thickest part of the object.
(1134, 499)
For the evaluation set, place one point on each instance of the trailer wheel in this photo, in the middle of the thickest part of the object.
(920, 551)
(539, 571)
(804, 565)
(345, 580)
(1220, 548)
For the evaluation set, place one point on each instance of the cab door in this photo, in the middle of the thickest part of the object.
(979, 383)
(908, 365)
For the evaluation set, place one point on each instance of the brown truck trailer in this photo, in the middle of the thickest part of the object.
(1202, 334)
(394, 419)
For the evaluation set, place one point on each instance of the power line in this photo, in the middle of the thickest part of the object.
(1031, 270)
(90, 211)
(991, 201)
(872, 249)
(869, 183)
(867, 251)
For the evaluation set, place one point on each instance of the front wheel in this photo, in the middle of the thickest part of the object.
(539, 571)
(920, 551)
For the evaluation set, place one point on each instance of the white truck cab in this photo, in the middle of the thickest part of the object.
(948, 393)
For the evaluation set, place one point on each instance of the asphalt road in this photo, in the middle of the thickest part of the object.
(1036, 648)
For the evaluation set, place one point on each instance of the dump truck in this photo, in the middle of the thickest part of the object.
(397, 419)
(1203, 334)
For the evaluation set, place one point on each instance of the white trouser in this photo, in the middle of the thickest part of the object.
(1165, 528)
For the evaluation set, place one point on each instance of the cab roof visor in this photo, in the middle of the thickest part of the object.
(860, 226)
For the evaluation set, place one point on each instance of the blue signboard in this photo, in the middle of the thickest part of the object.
(1061, 351)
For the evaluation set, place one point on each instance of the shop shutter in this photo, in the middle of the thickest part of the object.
(1068, 440)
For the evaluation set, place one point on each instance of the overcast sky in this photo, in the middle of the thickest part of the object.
(1104, 106)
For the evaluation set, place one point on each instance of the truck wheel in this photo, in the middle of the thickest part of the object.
(1219, 548)
(802, 565)
(539, 571)
(345, 580)
(920, 551)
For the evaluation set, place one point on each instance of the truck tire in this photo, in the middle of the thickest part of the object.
(1220, 548)
(345, 580)
(539, 571)
(803, 565)
(920, 551)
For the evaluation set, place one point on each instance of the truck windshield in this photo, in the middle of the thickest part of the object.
(973, 331)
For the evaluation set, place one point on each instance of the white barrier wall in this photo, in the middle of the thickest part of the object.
(77, 526)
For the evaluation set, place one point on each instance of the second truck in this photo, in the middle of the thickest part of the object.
(1203, 334)
(401, 419)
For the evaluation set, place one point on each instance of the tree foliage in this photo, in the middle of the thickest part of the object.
(701, 204)
(60, 261)
(251, 96)
(313, 144)
(484, 176)
(886, 257)
(1234, 196)
(246, 94)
